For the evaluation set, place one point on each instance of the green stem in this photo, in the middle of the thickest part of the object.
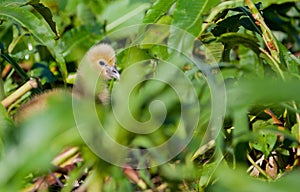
(267, 35)
(274, 62)
(15, 65)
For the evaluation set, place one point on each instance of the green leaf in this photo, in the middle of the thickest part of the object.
(13, 2)
(229, 24)
(45, 12)
(265, 142)
(159, 52)
(187, 16)
(213, 48)
(207, 174)
(121, 14)
(28, 20)
(289, 59)
(42, 33)
(250, 61)
(158, 9)
(155, 35)
(220, 11)
(259, 124)
(79, 36)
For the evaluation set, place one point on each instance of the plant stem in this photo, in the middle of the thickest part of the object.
(258, 167)
(15, 65)
(32, 83)
(268, 37)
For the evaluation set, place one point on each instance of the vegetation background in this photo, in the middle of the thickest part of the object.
(256, 45)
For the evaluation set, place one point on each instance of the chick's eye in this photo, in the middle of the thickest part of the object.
(102, 63)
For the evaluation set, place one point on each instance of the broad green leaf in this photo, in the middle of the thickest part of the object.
(260, 124)
(45, 12)
(265, 142)
(220, 9)
(13, 2)
(121, 14)
(187, 15)
(158, 9)
(133, 55)
(155, 35)
(28, 20)
(211, 4)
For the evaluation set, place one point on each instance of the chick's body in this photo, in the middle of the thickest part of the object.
(99, 64)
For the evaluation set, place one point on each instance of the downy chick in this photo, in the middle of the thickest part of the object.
(99, 61)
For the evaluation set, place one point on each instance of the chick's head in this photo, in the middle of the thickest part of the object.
(102, 58)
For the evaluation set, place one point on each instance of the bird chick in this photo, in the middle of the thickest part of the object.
(98, 65)
(100, 60)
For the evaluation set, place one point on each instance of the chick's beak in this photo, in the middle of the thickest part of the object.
(114, 73)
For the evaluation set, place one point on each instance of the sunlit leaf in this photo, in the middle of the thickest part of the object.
(265, 142)
(158, 9)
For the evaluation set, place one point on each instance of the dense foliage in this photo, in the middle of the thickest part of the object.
(240, 57)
